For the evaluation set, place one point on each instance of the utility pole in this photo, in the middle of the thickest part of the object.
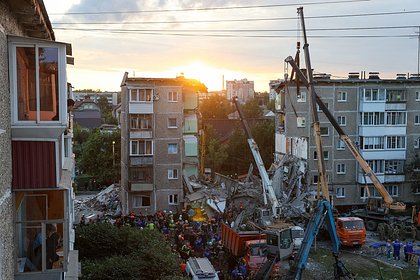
(418, 52)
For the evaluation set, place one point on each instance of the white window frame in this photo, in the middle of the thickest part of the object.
(341, 168)
(417, 142)
(340, 192)
(393, 190)
(399, 141)
(141, 206)
(341, 145)
(173, 199)
(325, 153)
(172, 148)
(139, 94)
(15, 42)
(176, 122)
(342, 120)
(328, 131)
(342, 96)
(173, 96)
(417, 95)
(173, 175)
(137, 141)
(318, 109)
(302, 97)
(417, 120)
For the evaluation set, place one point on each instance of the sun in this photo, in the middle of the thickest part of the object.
(211, 76)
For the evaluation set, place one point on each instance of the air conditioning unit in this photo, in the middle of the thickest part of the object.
(300, 122)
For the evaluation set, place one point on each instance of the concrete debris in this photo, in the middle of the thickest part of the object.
(104, 203)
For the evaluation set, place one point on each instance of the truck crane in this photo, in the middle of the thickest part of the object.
(268, 190)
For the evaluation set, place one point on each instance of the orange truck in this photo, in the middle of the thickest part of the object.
(351, 231)
(250, 245)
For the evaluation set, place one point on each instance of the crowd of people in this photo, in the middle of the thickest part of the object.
(187, 238)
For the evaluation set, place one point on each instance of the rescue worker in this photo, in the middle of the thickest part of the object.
(397, 248)
(388, 249)
(408, 251)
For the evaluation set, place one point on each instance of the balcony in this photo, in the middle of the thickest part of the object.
(141, 134)
(382, 130)
(384, 154)
(140, 107)
(141, 160)
(395, 106)
(383, 178)
(141, 187)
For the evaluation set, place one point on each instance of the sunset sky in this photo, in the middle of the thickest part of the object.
(208, 39)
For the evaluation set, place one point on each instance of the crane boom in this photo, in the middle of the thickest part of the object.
(266, 182)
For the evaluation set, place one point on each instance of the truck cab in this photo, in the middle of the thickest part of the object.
(351, 231)
(256, 255)
(297, 234)
(200, 268)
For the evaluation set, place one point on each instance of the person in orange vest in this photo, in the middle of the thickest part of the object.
(183, 267)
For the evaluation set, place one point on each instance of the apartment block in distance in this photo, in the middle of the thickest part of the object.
(243, 89)
(159, 144)
(381, 116)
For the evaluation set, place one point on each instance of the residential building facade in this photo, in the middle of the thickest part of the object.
(36, 168)
(159, 141)
(87, 113)
(381, 116)
(243, 89)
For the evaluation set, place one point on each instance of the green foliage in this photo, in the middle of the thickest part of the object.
(104, 105)
(271, 105)
(108, 252)
(95, 156)
(251, 109)
(108, 118)
(263, 133)
(216, 107)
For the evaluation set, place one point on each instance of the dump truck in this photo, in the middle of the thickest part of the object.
(351, 231)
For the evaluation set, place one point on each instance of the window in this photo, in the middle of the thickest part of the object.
(300, 121)
(372, 118)
(377, 166)
(340, 144)
(141, 95)
(319, 109)
(342, 96)
(341, 168)
(172, 123)
(417, 119)
(395, 142)
(141, 174)
(417, 142)
(301, 96)
(372, 143)
(172, 173)
(373, 94)
(141, 147)
(316, 179)
(173, 96)
(394, 167)
(324, 131)
(141, 201)
(141, 121)
(341, 120)
(172, 148)
(392, 190)
(417, 95)
(326, 155)
(396, 118)
(173, 199)
(339, 192)
(37, 79)
(395, 95)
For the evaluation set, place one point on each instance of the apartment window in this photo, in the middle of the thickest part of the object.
(300, 121)
(373, 192)
(417, 119)
(173, 199)
(141, 174)
(319, 109)
(372, 118)
(373, 95)
(372, 143)
(392, 190)
(340, 144)
(396, 118)
(341, 168)
(340, 192)
(326, 155)
(172, 173)
(377, 166)
(395, 142)
(324, 131)
(341, 120)
(141, 95)
(141, 121)
(172, 123)
(395, 95)
(417, 95)
(37, 79)
(173, 96)
(394, 167)
(316, 179)
(342, 96)
(141, 147)
(141, 201)
(172, 148)
(417, 142)
(301, 96)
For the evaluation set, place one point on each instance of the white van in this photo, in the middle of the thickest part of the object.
(297, 234)
(201, 268)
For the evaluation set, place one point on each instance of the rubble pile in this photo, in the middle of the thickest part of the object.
(104, 203)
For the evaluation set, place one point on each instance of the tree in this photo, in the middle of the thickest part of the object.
(104, 105)
(264, 136)
(251, 109)
(215, 107)
(412, 171)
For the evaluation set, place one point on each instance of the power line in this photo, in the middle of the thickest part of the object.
(248, 19)
(209, 8)
(241, 30)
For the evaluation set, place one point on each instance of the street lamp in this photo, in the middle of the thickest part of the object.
(113, 153)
